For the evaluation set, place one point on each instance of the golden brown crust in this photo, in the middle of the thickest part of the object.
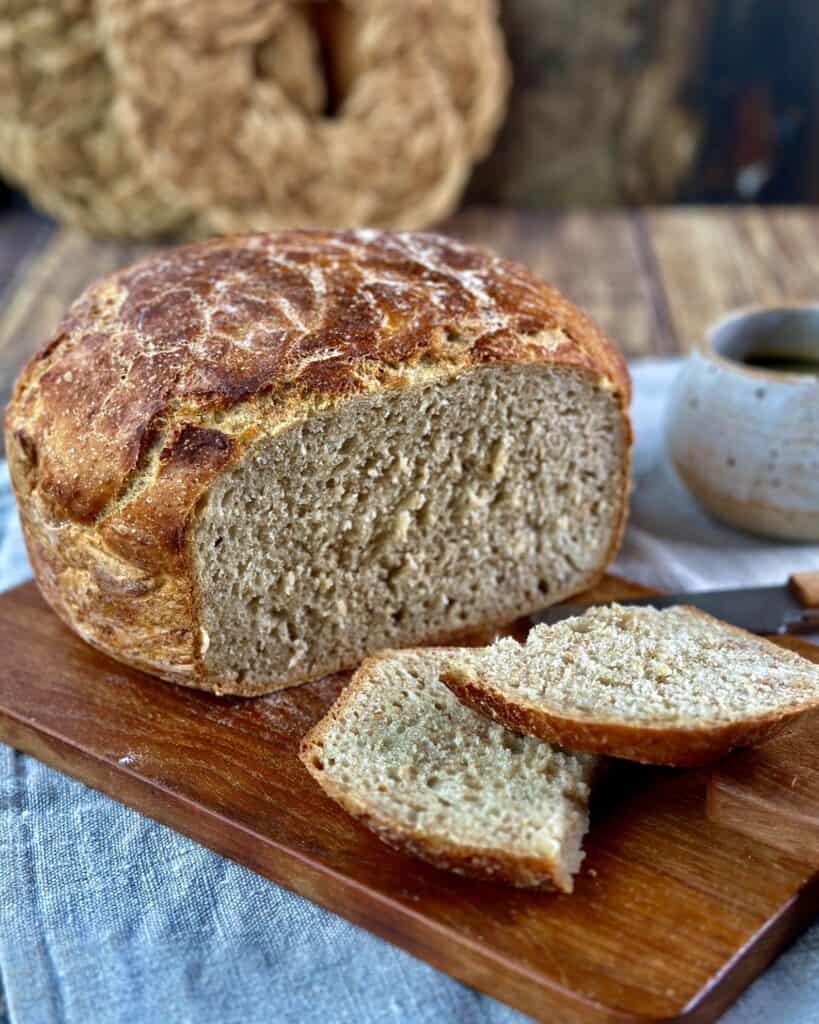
(141, 618)
(488, 864)
(162, 375)
(667, 746)
(208, 326)
(675, 746)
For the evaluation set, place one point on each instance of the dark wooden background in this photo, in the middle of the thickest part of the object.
(643, 101)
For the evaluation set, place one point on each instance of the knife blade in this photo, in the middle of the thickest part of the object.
(757, 609)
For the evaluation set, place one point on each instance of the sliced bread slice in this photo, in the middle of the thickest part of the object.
(434, 779)
(675, 687)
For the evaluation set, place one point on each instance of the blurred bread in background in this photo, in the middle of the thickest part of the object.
(146, 117)
(136, 118)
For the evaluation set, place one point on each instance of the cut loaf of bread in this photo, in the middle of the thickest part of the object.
(434, 779)
(248, 462)
(675, 687)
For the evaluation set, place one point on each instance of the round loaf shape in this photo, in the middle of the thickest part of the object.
(244, 463)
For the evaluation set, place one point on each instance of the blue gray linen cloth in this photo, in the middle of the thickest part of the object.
(107, 917)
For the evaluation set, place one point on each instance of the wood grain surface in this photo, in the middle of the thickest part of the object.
(672, 916)
(654, 279)
(772, 791)
(711, 260)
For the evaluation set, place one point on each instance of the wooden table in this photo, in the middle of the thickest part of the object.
(653, 278)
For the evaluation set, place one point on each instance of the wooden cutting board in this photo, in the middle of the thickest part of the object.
(772, 791)
(672, 916)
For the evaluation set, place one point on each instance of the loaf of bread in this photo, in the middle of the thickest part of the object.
(244, 463)
(675, 687)
(439, 781)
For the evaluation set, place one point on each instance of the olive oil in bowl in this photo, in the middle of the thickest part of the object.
(779, 363)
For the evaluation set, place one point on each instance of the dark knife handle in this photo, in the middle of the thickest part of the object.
(805, 588)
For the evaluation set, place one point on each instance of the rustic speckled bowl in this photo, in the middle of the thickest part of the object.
(746, 440)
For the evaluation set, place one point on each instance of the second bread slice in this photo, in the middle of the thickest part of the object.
(675, 687)
(431, 777)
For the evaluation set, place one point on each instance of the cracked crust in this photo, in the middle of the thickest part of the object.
(162, 375)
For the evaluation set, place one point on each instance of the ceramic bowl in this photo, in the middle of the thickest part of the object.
(746, 440)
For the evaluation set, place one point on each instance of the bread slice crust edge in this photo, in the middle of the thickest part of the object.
(673, 746)
(483, 863)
